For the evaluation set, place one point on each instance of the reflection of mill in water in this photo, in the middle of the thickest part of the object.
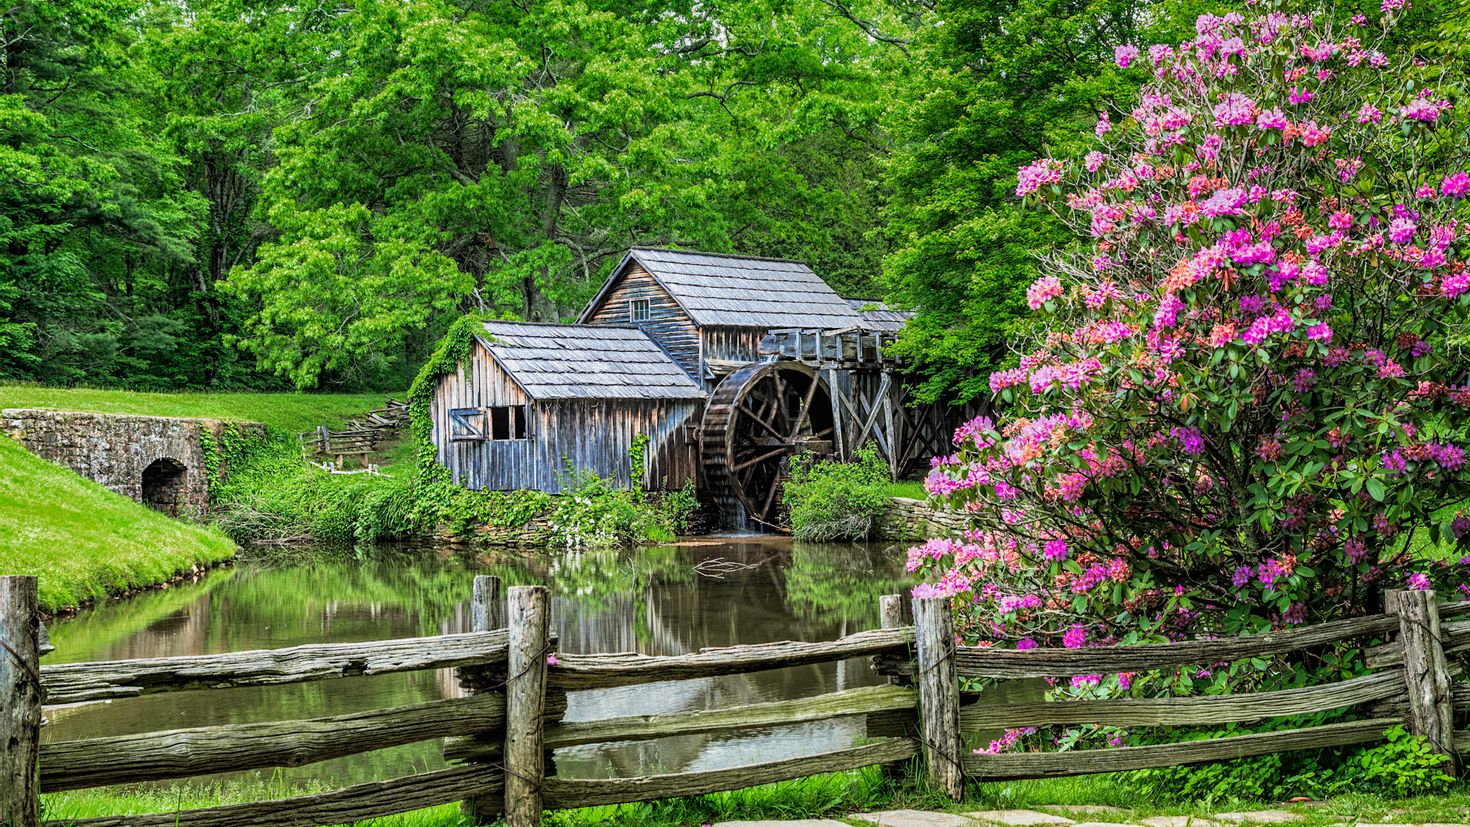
(667, 618)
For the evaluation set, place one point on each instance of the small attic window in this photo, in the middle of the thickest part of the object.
(639, 310)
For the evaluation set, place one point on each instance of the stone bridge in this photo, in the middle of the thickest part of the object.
(158, 461)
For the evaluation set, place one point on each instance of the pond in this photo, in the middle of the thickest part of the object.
(663, 600)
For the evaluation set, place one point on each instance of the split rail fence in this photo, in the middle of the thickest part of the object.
(498, 739)
(365, 435)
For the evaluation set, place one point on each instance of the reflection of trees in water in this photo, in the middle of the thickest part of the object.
(844, 581)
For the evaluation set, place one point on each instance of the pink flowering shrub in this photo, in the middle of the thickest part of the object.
(1246, 406)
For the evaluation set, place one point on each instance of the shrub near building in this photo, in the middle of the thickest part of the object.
(832, 500)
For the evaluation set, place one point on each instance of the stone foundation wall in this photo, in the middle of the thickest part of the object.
(533, 535)
(118, 451)
(911, 519)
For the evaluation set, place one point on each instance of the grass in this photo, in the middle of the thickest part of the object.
(65, 808)
(835, 796)
(830, 795)
(912, 489)
(84, 541)
(290, 412)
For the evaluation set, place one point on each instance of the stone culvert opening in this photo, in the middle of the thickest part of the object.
(163, 485)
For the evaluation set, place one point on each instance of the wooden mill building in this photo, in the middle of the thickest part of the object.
(730, 365)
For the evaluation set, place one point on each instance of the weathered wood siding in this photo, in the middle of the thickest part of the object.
(500, 464)
(581, 434)
(667, 323)
(596, 435)
(738, 344)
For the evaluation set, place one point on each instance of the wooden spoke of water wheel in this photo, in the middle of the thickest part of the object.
(757, 419)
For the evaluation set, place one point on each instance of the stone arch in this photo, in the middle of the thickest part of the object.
(164, 481)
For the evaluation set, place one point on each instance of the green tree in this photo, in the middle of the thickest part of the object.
(525, 146)
(997, 84)
(94, 226)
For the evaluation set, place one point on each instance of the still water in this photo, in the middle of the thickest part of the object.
(664, 600)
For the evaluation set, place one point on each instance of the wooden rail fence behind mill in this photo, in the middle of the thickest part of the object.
(498, 738)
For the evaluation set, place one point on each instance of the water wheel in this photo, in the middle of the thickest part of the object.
(757, 419)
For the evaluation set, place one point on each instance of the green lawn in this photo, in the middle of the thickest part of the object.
(294, 412)
(84, 541)
(912, 489)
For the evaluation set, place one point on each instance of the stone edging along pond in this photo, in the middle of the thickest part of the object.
(905, 518)
(912, 519)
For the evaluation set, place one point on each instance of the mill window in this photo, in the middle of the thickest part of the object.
(507, 422)
(639, 310)
(466, 425)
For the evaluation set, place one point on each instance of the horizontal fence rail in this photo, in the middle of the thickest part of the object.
(988, 662)
(372, 800)
(76, 682)
(602, 671)
(567, 792)
(865, 701)
(181, 753)
(1455, 637)
(499, 738)
(1021, 765)
(1200, 711)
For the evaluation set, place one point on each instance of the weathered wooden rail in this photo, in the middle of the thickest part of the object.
(364, 435)
(498, 738)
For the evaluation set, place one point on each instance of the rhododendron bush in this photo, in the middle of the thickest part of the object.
(1246, 406)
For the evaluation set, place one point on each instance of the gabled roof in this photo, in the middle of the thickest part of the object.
(739, 291)
(879, 316)
(554, 361)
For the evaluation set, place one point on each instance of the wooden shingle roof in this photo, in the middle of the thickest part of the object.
(554, 361)
(879, 316)
(740, 291)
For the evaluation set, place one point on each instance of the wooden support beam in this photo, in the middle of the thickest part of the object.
(20, 700)
(939, 696)
(529, 617)
(1426, 672)
(838, 429)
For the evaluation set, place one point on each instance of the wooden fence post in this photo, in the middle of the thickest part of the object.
(20, 701)
(1426, 671)
(891, 615)
(486, 615)
(487, 612)
(939, 695)
(529, 620)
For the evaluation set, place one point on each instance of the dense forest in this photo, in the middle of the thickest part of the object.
(267, 194)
